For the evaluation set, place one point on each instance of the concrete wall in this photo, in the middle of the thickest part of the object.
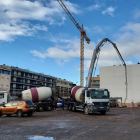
(113, 78)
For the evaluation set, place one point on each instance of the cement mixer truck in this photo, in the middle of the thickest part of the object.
(89, 99)
(42, 97)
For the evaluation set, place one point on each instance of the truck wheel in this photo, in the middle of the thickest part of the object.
(103, 112)
(70, 107)
(40, 108)
(86, 110)
(19, 113)
(49, 107)
(73, 108)
(0, 114)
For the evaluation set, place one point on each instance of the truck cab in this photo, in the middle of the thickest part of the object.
(96, 100)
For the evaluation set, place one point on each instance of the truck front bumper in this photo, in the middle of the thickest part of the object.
(93, 109)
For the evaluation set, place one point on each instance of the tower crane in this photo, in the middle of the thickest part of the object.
(83, 35)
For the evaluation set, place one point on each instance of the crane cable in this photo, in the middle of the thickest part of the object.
(71, 10)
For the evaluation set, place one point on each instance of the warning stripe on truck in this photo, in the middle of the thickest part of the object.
(35, 97)
(75, 90)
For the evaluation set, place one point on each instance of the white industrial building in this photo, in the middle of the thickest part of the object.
(113, 78)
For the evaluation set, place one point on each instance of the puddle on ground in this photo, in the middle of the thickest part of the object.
(40, 138)
(62, 125)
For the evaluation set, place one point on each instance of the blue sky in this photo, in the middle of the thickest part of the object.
(38, 35)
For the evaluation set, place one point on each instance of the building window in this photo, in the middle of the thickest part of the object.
(5, 72)
(8, 79)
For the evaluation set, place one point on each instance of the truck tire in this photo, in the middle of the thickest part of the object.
(70, 107)
(49, 107)
(40, 108)
(73, 108)
(0, 113)
(86, 110)
(103, 112)
(19, 113)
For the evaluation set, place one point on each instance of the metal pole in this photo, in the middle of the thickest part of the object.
(82, 58)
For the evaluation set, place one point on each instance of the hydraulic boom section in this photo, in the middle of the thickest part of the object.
(95, 57)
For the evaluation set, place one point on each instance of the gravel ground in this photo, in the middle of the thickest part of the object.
(117, 124)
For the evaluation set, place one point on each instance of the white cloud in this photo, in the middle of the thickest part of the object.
(36, 60)
(28, 10)
(39, 27)
(59, 40)
(127, 41)
(56, 52)
(110, 10)
(137, 14)
(61, 62)
(93, 7)
(8, 31)
(134, 27)
(102, 63)
(95, 29)
(16, 16)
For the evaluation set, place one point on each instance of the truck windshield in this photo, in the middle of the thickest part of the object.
(99, 94)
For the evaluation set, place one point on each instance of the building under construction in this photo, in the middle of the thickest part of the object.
(113, 78)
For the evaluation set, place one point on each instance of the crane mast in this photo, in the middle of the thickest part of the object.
(83, 35)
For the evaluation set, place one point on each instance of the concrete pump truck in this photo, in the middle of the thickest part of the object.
(89, 99)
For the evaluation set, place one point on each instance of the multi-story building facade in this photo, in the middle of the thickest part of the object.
(22, 79)
(64, 87)
(5, 77)
(15, 80)
(95, 82)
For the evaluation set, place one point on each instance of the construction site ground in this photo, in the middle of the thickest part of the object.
(117, 124)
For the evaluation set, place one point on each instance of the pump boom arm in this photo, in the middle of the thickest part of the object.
(95, 56)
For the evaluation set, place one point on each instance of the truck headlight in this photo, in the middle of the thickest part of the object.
(108, 104)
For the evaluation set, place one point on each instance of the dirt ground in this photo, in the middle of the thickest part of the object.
(117, 124)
